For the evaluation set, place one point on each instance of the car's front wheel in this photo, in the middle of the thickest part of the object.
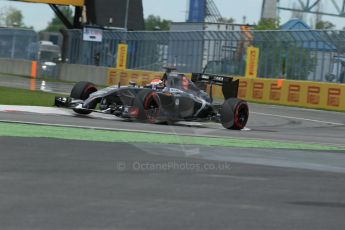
(82, 91)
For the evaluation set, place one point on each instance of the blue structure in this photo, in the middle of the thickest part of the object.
(197, 10)
(295, 24)
(309, 39)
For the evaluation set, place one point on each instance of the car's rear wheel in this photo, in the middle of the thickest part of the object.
(82, 91)
(234, 114)
(149, 106)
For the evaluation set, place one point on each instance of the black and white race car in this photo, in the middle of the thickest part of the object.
(170, 99)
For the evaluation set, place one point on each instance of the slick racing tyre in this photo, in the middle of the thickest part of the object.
(82, 91)
(234, 114)
(148, 103)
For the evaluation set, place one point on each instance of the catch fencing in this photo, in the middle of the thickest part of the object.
(314, 55)
(18, 43)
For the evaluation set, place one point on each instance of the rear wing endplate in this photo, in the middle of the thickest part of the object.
(229, 86)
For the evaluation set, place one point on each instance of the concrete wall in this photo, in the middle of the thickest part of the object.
(15, 67)
(66, 72)
(75, 73)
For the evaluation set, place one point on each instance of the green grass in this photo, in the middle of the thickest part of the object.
(40, 78)
(12, 96)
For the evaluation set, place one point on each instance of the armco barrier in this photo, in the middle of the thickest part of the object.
(305, 94)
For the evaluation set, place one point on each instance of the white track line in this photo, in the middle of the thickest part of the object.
(299, 118)
(109, 129)
(34, 109)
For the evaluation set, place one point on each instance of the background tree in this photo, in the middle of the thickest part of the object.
(55, 24)
(153, 22)
(14, 17)
(291, 61)
(11, 17)
(324, 25)
(267, 24)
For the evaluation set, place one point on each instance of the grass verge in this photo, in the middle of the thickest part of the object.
(12, 96)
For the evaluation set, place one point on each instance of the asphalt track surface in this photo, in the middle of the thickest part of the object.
(59, 184)
(50, 183)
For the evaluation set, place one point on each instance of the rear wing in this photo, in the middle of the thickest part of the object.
(229, 86)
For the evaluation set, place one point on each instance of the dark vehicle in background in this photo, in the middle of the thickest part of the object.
(48, 55)
(170, 99)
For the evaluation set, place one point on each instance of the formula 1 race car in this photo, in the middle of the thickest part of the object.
(170, 99)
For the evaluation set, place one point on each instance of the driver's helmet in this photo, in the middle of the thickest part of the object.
(157, 84)
(184, 82)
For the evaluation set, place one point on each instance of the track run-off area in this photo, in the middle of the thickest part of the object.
(275, 125)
